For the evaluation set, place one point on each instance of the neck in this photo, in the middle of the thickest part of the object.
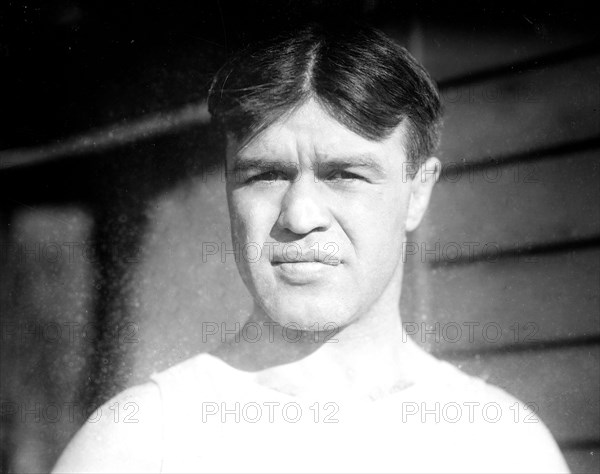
(369, 357)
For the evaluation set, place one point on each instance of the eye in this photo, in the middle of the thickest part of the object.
(341, 175)
(267, 176)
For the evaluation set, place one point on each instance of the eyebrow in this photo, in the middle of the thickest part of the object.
(245, 164)
(327, 162)
(363, 160)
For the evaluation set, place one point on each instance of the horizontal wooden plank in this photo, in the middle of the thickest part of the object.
(539, 202)
(525, 111)
(450, 51)
(563, 384)
(583, 461)
(488, 305)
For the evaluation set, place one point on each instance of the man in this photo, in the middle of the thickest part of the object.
(329, 135)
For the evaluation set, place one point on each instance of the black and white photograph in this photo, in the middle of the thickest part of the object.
(294, 236)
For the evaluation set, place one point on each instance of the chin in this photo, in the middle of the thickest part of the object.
(314, 314)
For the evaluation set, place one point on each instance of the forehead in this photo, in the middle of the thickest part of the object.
(310, 132)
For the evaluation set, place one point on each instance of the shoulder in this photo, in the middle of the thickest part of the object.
(522, 441)
(500, 428)
(123, 435)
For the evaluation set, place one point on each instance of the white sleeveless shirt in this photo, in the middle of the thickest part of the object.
(216, 419)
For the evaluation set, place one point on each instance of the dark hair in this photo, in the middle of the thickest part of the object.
(357, 74)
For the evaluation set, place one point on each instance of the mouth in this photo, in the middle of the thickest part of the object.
(332, 263)
(302, 272)
(305, 258)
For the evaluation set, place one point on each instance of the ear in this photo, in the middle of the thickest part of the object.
(420, 192)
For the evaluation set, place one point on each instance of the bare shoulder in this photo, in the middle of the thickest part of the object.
(123, 435)
(518, 439)
(493, 431)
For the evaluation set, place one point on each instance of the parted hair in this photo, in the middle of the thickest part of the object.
(362, 78)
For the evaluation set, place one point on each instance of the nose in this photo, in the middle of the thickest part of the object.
(302, 209)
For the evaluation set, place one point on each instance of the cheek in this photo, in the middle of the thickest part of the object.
(376, 226)
(377, 241)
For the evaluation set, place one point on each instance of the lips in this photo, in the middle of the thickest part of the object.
(303, 273)
(306, 268)
(305, 256)
(331, 262)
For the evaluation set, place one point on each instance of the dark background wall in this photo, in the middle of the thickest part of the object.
(111, 185)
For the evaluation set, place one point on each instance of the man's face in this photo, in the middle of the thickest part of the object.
(318, 213)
